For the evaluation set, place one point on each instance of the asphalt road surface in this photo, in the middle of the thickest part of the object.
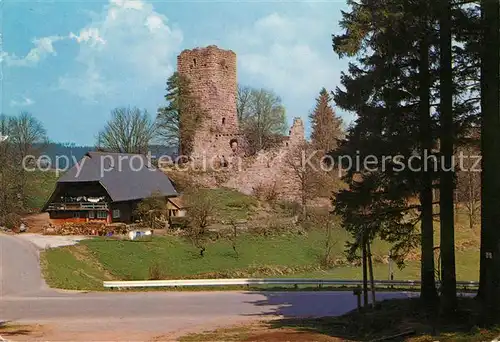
(25, 298)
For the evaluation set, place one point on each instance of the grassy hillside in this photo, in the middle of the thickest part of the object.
(39, 187)
(231, 204)
(287, 255)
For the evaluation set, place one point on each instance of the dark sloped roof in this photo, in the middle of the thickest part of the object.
(124, 176)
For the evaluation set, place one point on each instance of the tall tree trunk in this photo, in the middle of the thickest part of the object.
(370, 270)
(485, 206)
(303, 192)
(446, 184)
(428, 291)
(456, 206)
(489, 290)
(472, 201)
(365, 275)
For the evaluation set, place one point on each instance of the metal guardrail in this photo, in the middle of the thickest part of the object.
(270, 281)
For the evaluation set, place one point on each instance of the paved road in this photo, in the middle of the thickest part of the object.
(20, 268)
(26, 298)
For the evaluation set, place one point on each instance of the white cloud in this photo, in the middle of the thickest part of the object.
(24, 102)
(43, 48)
(129, 46)
(89, 35)
(290, 54)
(128, 4)
(288, 29)
(294, 68)
(154, 22)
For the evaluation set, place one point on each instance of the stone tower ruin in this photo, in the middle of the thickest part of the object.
(212, 75)
(297, 132)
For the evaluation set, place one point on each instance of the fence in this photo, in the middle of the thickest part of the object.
(411, 284)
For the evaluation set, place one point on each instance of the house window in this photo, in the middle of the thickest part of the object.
(91, 214)
(116, 213)
(76, 214)
(223, 121)
(102, 214)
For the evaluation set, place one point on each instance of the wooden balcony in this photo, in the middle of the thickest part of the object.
(77, 206)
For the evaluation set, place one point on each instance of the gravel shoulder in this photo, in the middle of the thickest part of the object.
(51, 241)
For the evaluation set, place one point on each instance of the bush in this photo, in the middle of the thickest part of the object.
(275, 227)
(267, 192)
(290, 208)
(11, 221)
(179, 222)
(155, 272)
(151, 209)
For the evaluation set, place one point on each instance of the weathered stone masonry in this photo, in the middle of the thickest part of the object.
(212, 75)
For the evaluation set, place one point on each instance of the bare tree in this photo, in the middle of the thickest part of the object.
(234, 237)
(468, 191)
(27, 137)
(129, 130)
(308, 169)
(262, 117)
(7, 172)
(243, 102)
(328, 223)
(303, 172)
(27, 134)
(200, 211)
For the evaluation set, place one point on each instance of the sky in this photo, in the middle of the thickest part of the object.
(69, 63)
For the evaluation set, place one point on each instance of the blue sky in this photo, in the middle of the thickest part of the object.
(69, 63)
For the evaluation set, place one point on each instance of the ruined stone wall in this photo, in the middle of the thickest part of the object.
(272, 168)
(212, 75)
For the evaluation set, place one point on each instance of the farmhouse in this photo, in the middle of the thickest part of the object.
(106, 187)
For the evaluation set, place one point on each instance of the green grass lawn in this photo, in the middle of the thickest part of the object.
(177, 258)
(72, 268)
(231, 204)
(286, 255)
(289, 255)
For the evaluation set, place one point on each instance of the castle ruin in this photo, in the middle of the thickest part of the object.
(212, 75)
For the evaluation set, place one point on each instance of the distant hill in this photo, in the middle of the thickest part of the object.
(76, 153)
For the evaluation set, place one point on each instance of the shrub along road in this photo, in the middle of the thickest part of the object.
(143, 315)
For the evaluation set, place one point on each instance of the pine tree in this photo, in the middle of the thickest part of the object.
(428, 291)
(446, 189)
(326, 126)
(391, 91)
(490, 145)
(178, 121)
